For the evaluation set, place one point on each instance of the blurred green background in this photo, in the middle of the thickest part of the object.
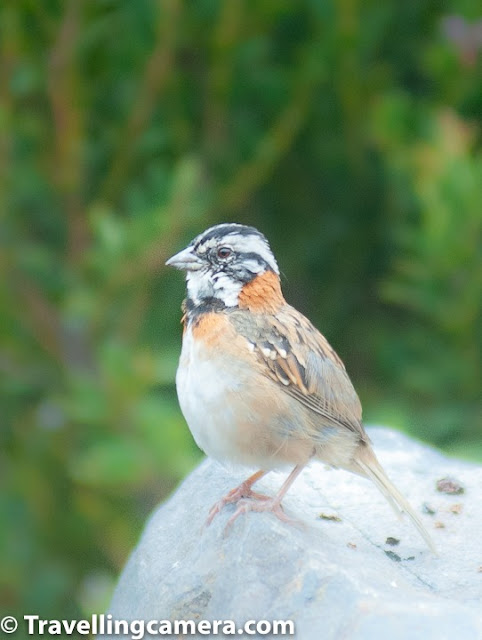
(349, 132)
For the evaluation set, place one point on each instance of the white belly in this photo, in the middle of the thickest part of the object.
(202, 384)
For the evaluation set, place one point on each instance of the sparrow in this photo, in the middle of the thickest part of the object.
(257, 383)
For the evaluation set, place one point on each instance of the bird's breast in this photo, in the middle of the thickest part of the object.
(204, 379)
(232, 410)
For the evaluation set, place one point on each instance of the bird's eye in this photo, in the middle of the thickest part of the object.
(224, 252)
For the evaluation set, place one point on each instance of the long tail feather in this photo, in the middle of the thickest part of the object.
(369, 467)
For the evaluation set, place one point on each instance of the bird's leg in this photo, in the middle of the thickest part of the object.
(243, 491)
(271, 504)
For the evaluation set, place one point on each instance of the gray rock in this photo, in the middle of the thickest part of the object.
(333, 578)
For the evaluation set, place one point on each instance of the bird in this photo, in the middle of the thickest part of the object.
(257, 383)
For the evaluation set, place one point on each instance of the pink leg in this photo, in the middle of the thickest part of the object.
(243, 491)
(271, 504)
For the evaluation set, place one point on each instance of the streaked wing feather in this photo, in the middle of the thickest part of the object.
(297, 356)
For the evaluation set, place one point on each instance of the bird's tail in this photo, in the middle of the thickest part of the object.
(366, 464)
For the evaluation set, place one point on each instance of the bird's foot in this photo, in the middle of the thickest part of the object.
(272, 505)
(242, 492)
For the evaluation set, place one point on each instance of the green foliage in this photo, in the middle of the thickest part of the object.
(346, 131)
(436, 276)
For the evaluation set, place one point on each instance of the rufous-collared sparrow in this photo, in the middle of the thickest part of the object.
(257, 383)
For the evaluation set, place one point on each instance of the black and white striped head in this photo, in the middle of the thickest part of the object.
(221, 260)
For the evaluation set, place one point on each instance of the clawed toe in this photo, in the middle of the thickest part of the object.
(271, 505)
(248, 500)
(235, 496)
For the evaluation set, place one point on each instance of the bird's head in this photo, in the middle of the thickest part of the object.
(222, 260)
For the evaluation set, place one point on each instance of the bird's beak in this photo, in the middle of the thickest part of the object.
(185, 260)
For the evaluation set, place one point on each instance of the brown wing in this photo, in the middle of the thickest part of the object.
(296, 355)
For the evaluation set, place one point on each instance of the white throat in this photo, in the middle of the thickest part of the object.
(202, 285)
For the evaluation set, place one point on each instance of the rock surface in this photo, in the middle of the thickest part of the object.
(334, 578)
